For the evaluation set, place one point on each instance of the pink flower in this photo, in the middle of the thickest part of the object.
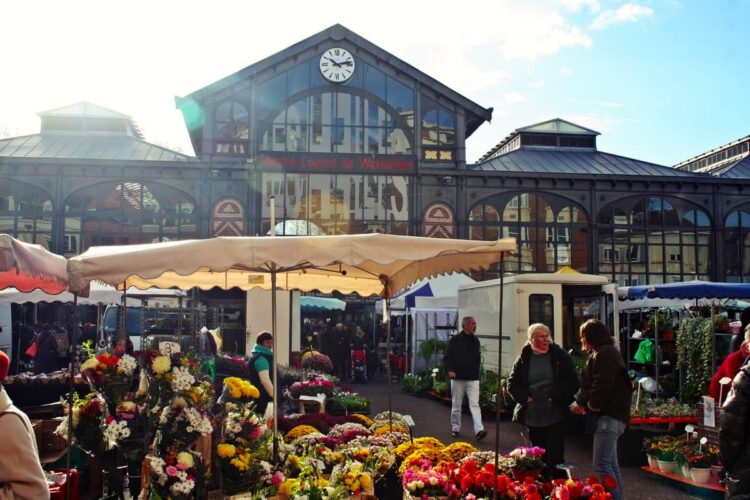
(171, 470)
(183, 466)
(277, 478)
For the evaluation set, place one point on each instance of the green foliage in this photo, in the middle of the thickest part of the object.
(443, 388)
(430, 347)
(694, 350)
(415, 383)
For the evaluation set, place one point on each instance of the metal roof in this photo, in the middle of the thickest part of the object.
(86, 147)
(736, 170)
(575, 163)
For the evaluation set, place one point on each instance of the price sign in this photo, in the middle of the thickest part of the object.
(169, 348)
(709, 413)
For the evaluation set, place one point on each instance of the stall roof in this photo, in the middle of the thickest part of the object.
(687, 290)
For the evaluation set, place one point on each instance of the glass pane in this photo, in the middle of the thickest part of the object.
(271, 94)
(400, 97)
(299, 78)
(541, 310)
(374, 81)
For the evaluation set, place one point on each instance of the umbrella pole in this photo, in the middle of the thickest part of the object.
(71, 388)
(499, 370)
(275, 370)
(388, 357)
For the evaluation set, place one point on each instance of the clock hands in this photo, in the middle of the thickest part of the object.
(339, 64)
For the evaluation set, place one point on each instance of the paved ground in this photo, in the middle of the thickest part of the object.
(432, 418)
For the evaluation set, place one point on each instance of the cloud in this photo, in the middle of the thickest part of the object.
(514, 97)
(566, 71)
(575, 5)
(628, 13)
(536, 84)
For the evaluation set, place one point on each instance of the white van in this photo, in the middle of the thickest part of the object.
(6, 329)
(562, 301)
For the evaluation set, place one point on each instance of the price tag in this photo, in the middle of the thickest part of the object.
(709, 413)
(169, 348)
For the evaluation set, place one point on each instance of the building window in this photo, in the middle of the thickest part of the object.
(320, 204)
(737, 245)
(653, 240)
(128, 213)
(550, 232)
(438, 131)
(231, 126)
(26, 213)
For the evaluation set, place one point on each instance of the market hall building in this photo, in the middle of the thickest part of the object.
(343, 137)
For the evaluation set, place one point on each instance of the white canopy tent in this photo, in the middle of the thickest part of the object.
(99, 293)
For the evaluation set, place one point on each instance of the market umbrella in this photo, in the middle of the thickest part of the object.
(29, 267)
(366, 264)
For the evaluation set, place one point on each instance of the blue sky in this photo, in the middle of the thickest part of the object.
(661, 80)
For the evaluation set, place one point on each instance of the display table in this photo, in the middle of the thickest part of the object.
(663, 420)
(685, 480)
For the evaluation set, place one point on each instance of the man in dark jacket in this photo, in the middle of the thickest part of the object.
(461, 362)
(734, 436)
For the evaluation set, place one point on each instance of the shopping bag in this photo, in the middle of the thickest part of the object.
(645, 352)
(31, 351)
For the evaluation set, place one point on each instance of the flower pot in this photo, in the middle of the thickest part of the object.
(521, 475)
(652, 461)
(715, 470)
(685, 470)
(700, 475)
(667, 466)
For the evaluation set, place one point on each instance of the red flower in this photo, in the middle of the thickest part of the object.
(610, 483)
(592, 480)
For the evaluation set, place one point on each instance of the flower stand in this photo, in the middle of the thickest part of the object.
(700, 475)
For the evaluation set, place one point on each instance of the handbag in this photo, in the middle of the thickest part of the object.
(31, 351)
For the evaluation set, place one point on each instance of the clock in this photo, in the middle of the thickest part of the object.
(337, 65)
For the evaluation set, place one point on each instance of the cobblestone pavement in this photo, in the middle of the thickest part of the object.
(432, 418)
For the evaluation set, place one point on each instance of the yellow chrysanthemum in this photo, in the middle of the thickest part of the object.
(239, 464)
(161, 364)
(404, 450)
(250, 391)
(459, 450)
(429, 442)
(226, 450)
(433, 455)
(364, 419)
(366, 481)
(186, 458)
(299, 431)
(384, 429)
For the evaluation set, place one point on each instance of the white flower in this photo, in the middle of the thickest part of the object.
(116, 431)
(183, 380)
(127, 364)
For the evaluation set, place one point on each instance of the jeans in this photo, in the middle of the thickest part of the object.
(471, 389)
(608, 430)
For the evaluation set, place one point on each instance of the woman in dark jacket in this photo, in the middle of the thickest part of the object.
(604, 394)
(734, 436)
(543, 382)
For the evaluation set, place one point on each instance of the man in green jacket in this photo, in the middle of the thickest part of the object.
(261, 375)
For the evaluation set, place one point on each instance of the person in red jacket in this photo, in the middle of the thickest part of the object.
(729, 368)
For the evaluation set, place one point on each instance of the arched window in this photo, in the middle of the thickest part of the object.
(550, 231)
(231, 126)
(371, 113)
(650, 240)
(26, 213)
(128, 213)
(737, 245)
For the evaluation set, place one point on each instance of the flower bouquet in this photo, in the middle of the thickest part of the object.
(312, 387)
(353, 478)
(424, 482)
(243, 427)
(477, 479)
(88, 423)
(591, 488)
(241, 471)
(110, 376)
(238, 391)
(313, 360)
(180, 426)
(176, 475)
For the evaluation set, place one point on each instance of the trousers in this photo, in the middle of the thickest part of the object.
(470, 388)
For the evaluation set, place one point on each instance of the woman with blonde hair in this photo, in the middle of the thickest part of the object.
(542, 382)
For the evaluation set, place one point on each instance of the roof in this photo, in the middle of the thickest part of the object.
(338, 33)
(736, 170)
(712, 151)
(575, 163)
(562, 278)
(557, 126)
(83, 147)
(85, 109)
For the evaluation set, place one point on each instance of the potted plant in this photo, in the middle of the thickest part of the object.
(665, 457)
(682, 454)
(527, 462)
(700, 467)
(651, 447)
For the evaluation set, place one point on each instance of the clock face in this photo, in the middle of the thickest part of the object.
(337, 65)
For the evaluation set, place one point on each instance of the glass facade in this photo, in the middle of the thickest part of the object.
(652, 240)
(371, 113)
(26, 213)
(737, 245)
(317, 204)
(127, 213)
(231, 129)
(438, 131)
(550, 231)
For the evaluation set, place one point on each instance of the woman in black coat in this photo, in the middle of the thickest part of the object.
(543, 382)
(734, 436)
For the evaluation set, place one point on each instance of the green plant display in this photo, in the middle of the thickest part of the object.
(430, 347)
(443, 388)
(412, 383)
(694, 354)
